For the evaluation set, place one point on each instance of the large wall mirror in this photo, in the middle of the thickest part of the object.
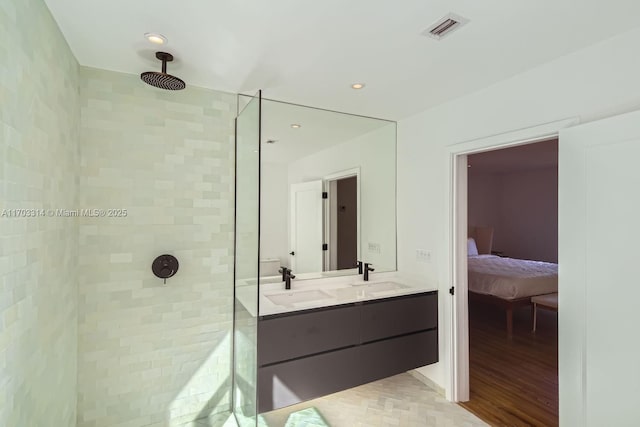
(328, 192)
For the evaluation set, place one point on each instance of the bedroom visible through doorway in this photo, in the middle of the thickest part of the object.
(512, 249)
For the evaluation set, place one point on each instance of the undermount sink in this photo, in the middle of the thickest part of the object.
(264, 280)
(297, 297)
(381, 287)
(366, 290)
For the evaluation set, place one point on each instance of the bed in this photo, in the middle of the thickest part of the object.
(508, 282)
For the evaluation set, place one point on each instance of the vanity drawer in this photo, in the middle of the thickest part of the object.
(394, 356)
(298, 380)
(289, 337)
(388, 318)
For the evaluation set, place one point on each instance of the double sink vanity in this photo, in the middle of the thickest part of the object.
(331, 334)
(315, 200)
(324, 292)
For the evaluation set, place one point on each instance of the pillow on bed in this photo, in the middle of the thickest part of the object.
(472, 249)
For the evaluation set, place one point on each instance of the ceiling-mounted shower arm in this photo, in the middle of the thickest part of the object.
(164, 57)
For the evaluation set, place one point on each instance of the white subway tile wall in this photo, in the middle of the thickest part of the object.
(39, 137)
(152, 354)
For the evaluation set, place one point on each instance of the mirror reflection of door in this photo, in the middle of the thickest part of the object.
(347, 224)
(306, 227)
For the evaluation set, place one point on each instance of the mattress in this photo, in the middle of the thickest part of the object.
(511, 278)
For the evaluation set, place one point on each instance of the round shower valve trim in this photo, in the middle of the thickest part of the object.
(165, 266)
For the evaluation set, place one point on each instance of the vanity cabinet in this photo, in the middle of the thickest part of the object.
(289, 337)
(385, 358)
(388, 318)
(307, 354)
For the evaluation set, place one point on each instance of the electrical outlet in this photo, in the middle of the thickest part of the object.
(374, 248)
(423, 255)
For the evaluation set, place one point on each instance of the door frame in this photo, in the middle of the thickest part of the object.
(328, 205)
(457, 324)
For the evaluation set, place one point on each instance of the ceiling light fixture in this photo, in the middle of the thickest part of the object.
(296, 126)
(357, 86)
(155, 38)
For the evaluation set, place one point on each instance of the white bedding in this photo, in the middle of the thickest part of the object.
(511, 278)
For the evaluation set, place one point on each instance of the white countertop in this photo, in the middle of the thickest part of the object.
(326, 292)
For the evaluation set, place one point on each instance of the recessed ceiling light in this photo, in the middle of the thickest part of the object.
(357, 85)
(296, 126)
(155, 38)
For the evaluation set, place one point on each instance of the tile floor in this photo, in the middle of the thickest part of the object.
(401, 400)
(219, 420)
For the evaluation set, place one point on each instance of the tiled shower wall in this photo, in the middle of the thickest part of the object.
(39, 126)
(152, 354)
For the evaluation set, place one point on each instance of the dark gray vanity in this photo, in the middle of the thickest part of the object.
(306, 354)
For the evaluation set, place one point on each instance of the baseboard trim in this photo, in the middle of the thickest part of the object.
(427, 381)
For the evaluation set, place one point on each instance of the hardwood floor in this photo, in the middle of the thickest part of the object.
(513, 382)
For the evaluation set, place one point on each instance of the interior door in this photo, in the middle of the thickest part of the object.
(306, 227)
(599, 201)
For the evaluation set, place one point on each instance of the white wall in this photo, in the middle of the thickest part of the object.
(528, 228)
(595, 82)
(522, 208)
(39, 141)
(374, 153)
(483, 199)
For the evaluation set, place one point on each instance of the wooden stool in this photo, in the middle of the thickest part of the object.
(548, 302)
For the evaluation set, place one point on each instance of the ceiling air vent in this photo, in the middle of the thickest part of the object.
(445, 26)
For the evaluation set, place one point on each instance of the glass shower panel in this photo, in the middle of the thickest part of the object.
(246, 262)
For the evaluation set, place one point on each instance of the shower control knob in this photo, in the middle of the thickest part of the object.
(165, 266)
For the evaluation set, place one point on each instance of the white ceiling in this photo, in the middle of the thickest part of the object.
(309, 52)
(320, 129)
(541, 155)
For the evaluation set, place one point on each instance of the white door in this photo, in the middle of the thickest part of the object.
(306, 227)
(599, 241)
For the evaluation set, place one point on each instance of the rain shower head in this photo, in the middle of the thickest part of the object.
(163, 80)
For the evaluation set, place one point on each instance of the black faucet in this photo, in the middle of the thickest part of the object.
(287, 278)
(367, 269)
(283, 271)
(359, 263)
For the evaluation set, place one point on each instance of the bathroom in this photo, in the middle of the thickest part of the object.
(100, 174)
(119, 305)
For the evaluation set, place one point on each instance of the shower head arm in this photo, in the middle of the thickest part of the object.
(164, 57)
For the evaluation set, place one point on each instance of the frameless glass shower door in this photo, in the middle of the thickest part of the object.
(247, 243)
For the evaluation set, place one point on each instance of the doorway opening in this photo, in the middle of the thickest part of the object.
(456, 315)
(512, 255)
(342, 220)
